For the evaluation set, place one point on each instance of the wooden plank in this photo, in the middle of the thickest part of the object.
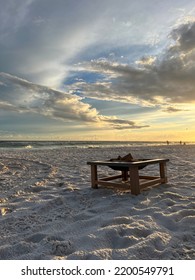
(111, 178)
(125, 185)
(150, 183)
(149, 161)
(113, 184)
(148, 177)
(134, 180)
(127, 164)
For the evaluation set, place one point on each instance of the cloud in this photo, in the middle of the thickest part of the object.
(22, 96)
(40, 39)
(7, 134)
(121, 123)
(171, 109)
(164, 79)
(19, 94)
(148, 60)
(184, 35)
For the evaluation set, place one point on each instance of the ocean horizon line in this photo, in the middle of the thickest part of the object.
(50, 144)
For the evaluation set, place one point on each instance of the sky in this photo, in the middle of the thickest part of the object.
(97, 70)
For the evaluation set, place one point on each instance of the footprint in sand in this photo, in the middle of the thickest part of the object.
(62, 248)
(59, 247)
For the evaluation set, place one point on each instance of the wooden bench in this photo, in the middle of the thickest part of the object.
(129, 174)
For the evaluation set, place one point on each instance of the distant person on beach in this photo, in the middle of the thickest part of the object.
(184, 143)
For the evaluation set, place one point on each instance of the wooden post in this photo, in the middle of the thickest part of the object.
(134, 180)
(124, 175)
(94, 176)
(163, 172)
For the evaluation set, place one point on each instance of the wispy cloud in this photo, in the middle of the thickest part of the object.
(172, 109)
(22, 96)
(40, 39)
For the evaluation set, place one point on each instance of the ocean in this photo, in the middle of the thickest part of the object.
(79, 144)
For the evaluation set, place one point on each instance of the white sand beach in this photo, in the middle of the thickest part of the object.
(48, 209)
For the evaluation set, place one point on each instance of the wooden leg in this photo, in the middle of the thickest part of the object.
(163, 172)
(124, 175)
(134, 180)
(94, 176)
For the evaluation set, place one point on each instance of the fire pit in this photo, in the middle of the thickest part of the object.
(127, 158)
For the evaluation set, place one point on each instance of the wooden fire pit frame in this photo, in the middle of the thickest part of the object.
(129, 174)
